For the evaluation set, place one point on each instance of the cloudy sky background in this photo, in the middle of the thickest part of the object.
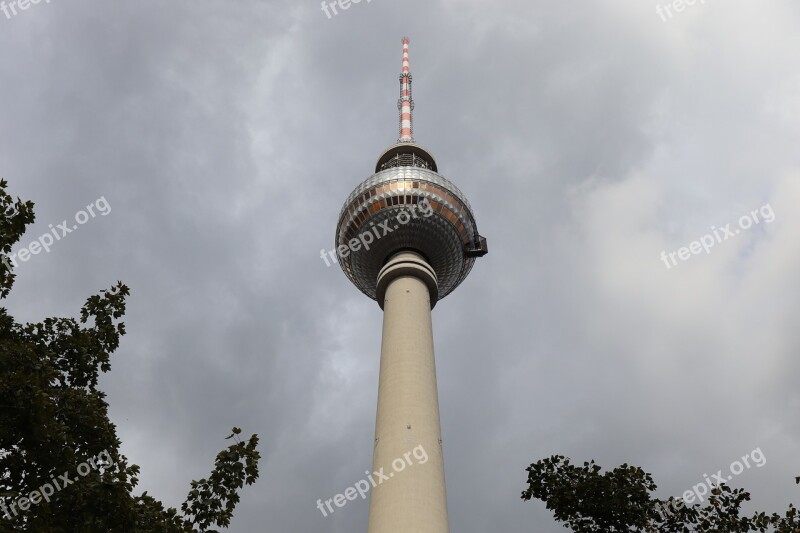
(588, 137)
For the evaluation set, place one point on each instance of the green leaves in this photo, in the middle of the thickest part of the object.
(589, 501)
(15, 216)
(212, 501)
(53, 418)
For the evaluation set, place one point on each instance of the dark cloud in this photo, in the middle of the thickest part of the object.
(588, 139)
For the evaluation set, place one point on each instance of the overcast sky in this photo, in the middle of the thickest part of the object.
(588, 136)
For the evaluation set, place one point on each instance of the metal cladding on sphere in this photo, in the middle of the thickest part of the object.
(407, 206)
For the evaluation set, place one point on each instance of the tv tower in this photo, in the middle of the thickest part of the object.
(426, 242)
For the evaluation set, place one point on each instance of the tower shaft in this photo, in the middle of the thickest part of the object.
(407, 428)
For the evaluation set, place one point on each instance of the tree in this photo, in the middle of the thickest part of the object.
(587, 500)
(60, 466)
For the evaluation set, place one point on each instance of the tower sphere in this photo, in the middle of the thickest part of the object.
(407, 206)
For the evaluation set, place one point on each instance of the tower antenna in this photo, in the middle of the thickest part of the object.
(406, 104)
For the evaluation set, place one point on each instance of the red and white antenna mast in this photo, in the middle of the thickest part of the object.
(406, 104)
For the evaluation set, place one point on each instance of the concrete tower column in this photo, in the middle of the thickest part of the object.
(407, 426)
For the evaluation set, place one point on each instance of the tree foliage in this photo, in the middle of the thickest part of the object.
(587, 500)
(54, 422)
